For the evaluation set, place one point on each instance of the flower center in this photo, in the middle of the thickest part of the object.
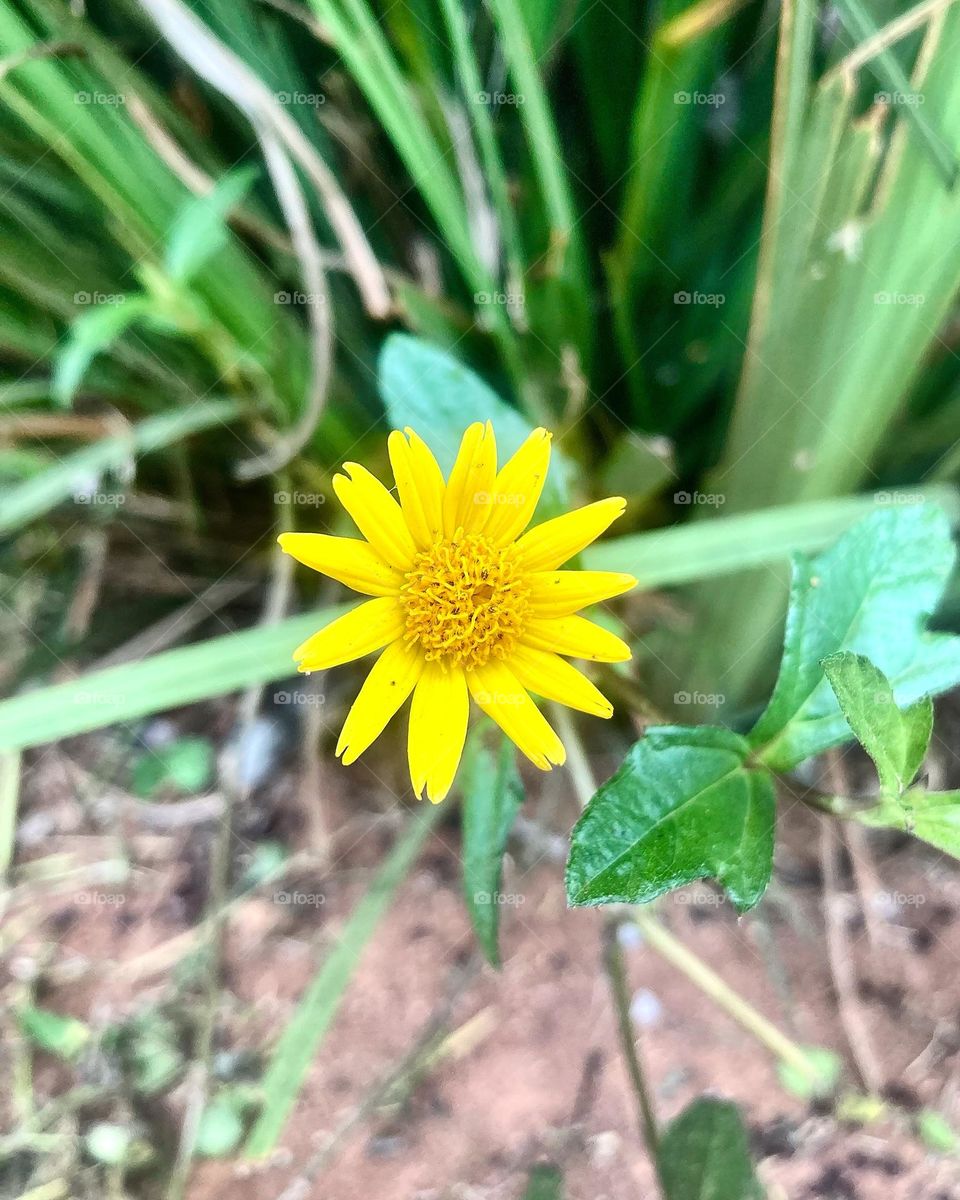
(465, 601)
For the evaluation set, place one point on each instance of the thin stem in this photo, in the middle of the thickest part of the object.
(614, 966)
(707, 980)
(670, 947)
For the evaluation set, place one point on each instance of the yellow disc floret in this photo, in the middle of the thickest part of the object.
(464, 601)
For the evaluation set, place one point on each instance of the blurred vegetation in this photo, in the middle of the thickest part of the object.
(574, 199)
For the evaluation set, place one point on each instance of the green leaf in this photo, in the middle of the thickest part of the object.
(185, 765)
(200, 229)
(437, 396)
(683, 806)
(871, 593)
(87, 336)
(936, 1132)
(53, 1032)
(933, 817)
(819, 1080)
(221, 1126)
(492, 795)
(705, 1155)
(545, 1182)
(896, 741)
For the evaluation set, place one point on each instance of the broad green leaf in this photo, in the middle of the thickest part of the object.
(933, 817)
(52, 1031)
(429, 390)
(895, 740)
(705, 1155)
(88, 335)
(683, 806)
(200, 228)
(871, 593)
(492, 795)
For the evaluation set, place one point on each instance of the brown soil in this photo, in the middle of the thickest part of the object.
(528, 1070)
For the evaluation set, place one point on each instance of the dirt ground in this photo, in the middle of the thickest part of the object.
(516, 1067)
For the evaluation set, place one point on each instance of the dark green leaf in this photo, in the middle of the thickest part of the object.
(492, 794)
(896, 741)
(200, 228)
(871, 593)
(705, 1155)
(429, 390)
(545, 1182)
(683, 806)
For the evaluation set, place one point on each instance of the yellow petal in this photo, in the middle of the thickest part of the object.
(419, 484)
(391, 680)
(376, 514)
(438, 729)
(517, 489)
(553, 678)
(576, 637)
(558, 593)
(368, 627)
(348, 560)
(466, 502)
(549, 545)
(502, 697)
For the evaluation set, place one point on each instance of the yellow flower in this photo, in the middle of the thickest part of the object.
(466, 603)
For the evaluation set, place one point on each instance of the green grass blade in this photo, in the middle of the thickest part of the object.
(318, 1007)
(36, 496)
(708, 548)
(168, 680)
